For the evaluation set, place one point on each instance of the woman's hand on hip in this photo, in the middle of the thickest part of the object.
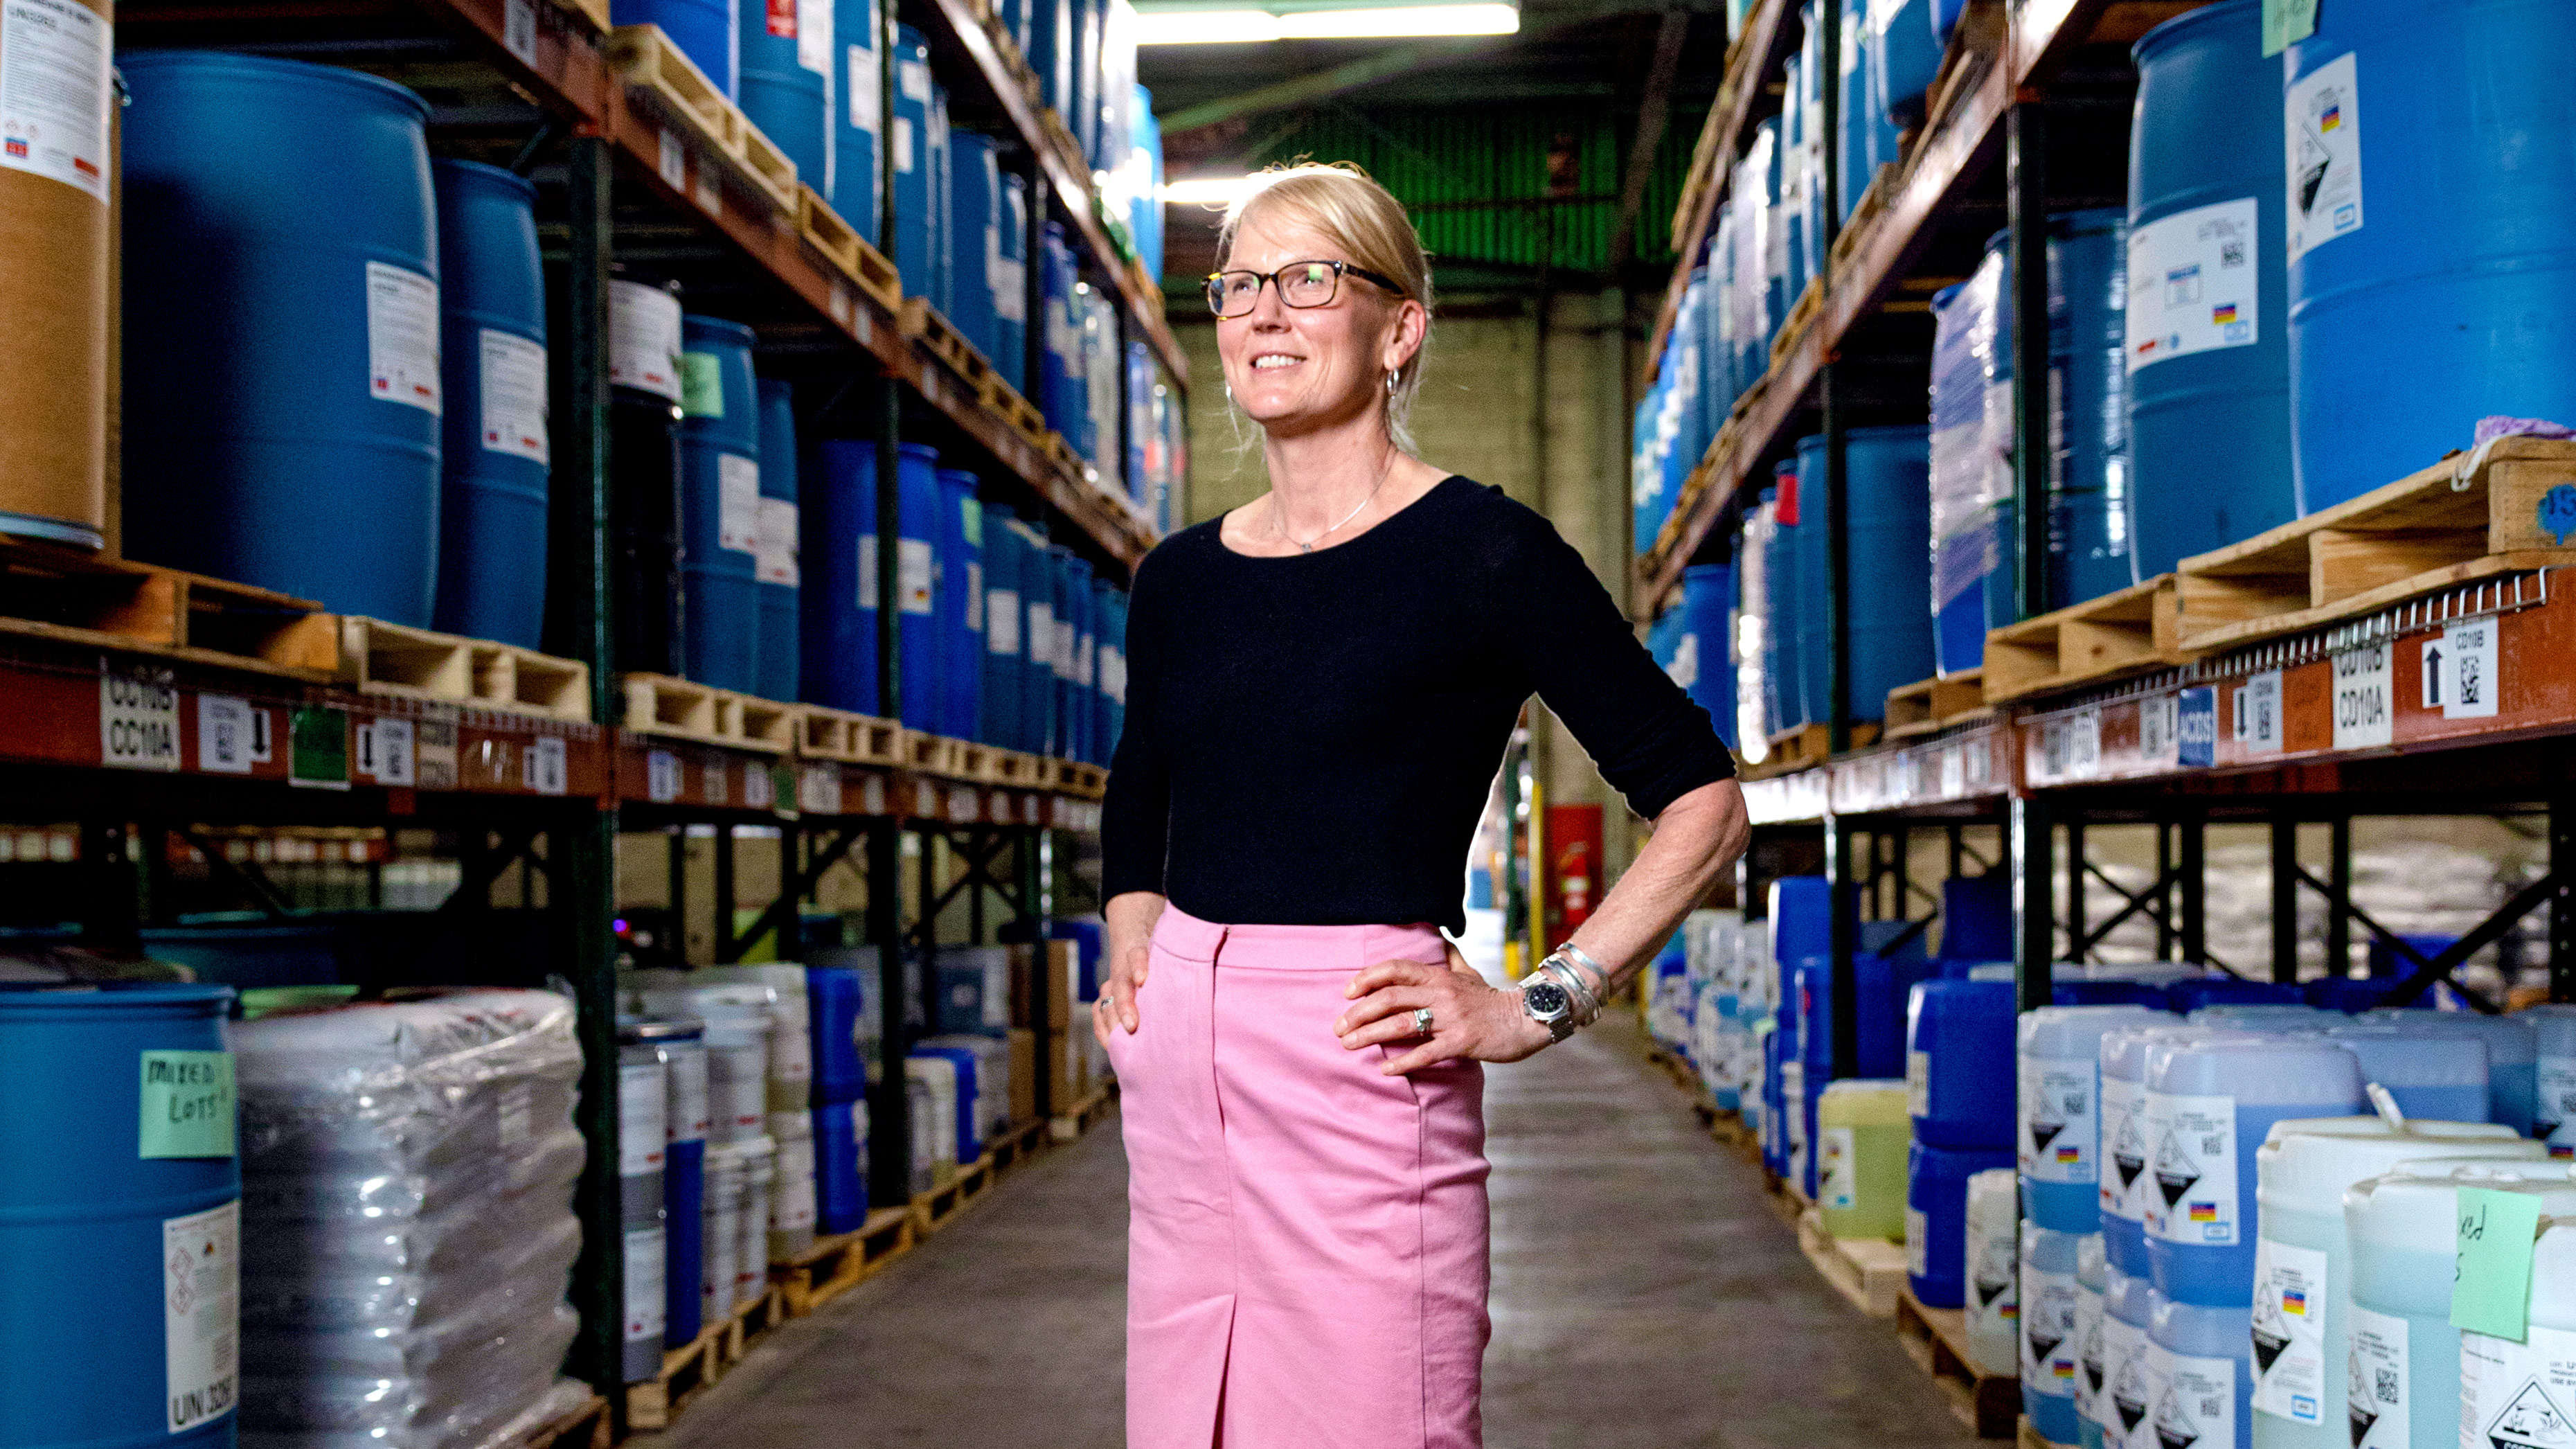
(1468, 1017)
(1130, 919)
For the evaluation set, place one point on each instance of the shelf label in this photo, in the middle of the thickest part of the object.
(2364, 715)
(545, 764)
(818, 792)
(925, 799)
(519, 31)
(2258, 713)
(673, 162)
(759, 787)
(231, 736)
(2461, 677)
(965, 805)
(138, 719)
(707, 193)
(661, 777)
(317, 748)
(2196, 728)
(384, 751)
(872, 795)
(2159, 734)
(838, 304)
(433, 753)
(1954, 772)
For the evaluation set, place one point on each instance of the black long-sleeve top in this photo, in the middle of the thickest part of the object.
(1310, 739)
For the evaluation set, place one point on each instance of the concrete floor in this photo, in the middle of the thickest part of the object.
(1645, 1297)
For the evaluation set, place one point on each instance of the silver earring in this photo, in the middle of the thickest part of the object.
(1390, 384)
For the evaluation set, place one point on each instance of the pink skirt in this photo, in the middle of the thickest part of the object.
(1307, 1237)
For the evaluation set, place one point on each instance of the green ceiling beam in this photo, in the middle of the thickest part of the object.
(1306, 89)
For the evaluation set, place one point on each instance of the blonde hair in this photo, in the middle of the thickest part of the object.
(1343, 204)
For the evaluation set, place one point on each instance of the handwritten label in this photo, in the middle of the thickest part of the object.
(2491, 1290)
(138, 719)
(188, 1105)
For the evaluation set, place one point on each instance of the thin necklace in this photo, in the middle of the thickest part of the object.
(1279, 515)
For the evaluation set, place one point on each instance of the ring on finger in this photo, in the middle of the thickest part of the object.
(1422, 1021)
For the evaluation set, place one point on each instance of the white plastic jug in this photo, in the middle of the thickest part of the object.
(1993, 1254)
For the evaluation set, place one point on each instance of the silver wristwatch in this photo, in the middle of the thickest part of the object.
(1546, 1001)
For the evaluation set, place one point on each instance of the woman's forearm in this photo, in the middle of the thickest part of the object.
(1696, 840)
(1130, 919)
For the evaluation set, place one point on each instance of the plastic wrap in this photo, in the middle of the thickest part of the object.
(1752, 631)
(407, 1220)
(1972, 431)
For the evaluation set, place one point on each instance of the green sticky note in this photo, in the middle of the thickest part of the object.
(187, 1104)
(2491, 1292)
(2286, 23)
(701, 385)
(318, 748)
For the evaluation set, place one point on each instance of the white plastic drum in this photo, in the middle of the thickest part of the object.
(751, 1252)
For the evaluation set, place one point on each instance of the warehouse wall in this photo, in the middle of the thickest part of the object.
(1550, 431)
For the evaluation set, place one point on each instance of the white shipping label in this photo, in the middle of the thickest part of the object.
(774, 559)
(2322, 115)
(643, 1097)
(1113, 673)
(2518, 1395)
(644, 338)
(1010, 280)
(914, 575)
(1042, 635)
(201, 1304)
(138, 719)
(2289, 1331)
(1002, 608)
(55, 92)
(867, 589)
(2195, 1403)
(2088, 1348)
(2192, 283)
(2554, 1114)
(2460, 670)
(1918, 1084)
(223, 734)
(2364, 715)
(1068, 651)
(903, 144)
(1918, 1242)
(2058, 1142)
(912, 77)
(974, 597)
(867, 91)
(814, 35)
(2119, 1400)
(2190, 1192)
(402, 337)
(2048, 1332)
(738, 503)
(2124, 1149)
(2374, 1403)
(647, 1259)
(1837, 1173)
(514, 396)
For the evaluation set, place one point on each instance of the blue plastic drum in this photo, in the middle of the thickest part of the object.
(1955, 1033)
(838, 519)
(785, 88)
(720, 503)
(777, 561)
(2089, 553)
(858, 119)
(1936, 1199)
(493, 447)
(917, 587)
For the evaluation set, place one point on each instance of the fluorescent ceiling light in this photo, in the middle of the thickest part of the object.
(1222, 27)
(1206, 190)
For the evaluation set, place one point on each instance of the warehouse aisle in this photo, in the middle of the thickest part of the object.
(1645, 1297)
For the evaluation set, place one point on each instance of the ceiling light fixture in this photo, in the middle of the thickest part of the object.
(1377, 22)
(1205, 190)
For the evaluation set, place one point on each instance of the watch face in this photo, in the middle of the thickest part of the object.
(1545, 998)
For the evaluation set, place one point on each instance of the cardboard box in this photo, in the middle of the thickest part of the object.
(1062, 967)
(1024, 1074)
(1071, 1078)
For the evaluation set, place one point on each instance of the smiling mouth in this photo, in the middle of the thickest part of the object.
(1273, 361)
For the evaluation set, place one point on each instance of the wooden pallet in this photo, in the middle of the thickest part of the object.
(650, 62)
(1051, 126)
(1932, 705)
(2130, 632)
(1006, 48)
(1072, 777)
(1808, 746)
(1018, 1144)
(2465, 517)
(974, 761)
(1019, 771)
(1084, 1115)
(940, 1206)
(686, 1372)
(1017, 413)
(1066, 460)
(1866, 1271)
(583, 1428)
(932, 754)
(381, 658)
(657, 704)
(1802, 313)
(842, 1261)
(853, 739)
(842, 245)
(1864, 217)
(50, 592)
(1937, 1340)
(594, 13)
(935, 335)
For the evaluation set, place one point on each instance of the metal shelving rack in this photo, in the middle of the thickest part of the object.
(2160, 748)
(531, 83)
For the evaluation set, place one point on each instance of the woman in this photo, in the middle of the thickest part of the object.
(1320, 686)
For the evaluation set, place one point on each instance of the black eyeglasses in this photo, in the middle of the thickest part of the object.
(1301, 284)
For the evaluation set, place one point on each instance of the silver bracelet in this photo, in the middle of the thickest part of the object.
(1587, 1007)
(1582, 958)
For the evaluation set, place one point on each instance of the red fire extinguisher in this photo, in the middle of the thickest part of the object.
(1574, 883)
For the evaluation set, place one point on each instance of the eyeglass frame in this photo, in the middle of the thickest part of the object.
(1271, 280)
